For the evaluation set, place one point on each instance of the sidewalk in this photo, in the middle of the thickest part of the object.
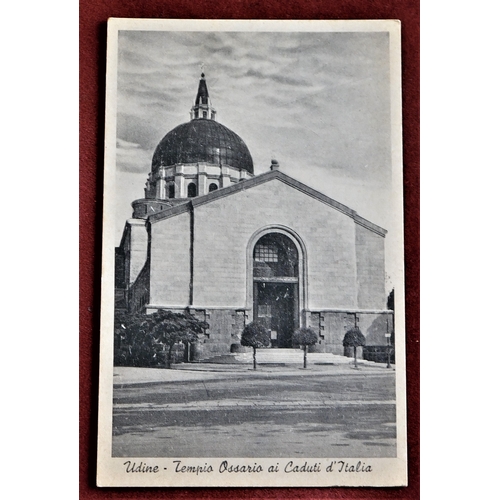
(184, 372)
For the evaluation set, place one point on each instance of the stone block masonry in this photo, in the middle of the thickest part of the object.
(170, 261)
(226, 326)
(220, 252)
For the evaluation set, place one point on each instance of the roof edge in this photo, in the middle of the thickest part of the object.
(261, 179)
(170, 212)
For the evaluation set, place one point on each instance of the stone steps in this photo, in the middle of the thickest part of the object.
(280, 356)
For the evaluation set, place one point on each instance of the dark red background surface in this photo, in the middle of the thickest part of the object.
(93, 16)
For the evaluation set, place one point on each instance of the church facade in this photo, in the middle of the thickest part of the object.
(232, 247)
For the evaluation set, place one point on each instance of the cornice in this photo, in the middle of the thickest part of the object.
(268, 176)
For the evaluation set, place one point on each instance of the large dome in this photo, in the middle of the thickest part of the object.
(202, 140)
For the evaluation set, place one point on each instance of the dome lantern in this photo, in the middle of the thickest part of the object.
(203, 108)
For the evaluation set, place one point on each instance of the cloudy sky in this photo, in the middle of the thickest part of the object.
(317, 102)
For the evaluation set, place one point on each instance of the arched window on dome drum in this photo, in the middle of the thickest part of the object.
(192, 190)
(212, 187)
(274, 256)
(171, 190)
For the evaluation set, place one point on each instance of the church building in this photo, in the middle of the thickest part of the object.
(232, 247)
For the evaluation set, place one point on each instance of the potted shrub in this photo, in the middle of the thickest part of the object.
(305, 337)
(354, 338)
(255, 336)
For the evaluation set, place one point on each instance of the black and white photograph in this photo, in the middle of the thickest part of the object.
(252, 316)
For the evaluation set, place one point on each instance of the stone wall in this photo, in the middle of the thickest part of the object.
(332, 326)
(224, 227)
(225, 329)
(135, 248)
(370, 269)
(199, 259)
(170, 261)
(138, 295)
(226, 326)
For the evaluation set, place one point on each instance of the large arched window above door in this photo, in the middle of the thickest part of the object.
(275, 255)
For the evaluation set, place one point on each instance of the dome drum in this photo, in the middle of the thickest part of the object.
(173, 182)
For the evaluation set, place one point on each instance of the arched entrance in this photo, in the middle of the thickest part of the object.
(276, 269)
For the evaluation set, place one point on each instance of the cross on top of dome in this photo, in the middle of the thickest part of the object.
(203, 108)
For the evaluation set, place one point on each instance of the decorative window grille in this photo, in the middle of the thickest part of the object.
(266, 253)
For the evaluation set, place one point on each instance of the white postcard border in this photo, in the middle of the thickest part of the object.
(335, 471)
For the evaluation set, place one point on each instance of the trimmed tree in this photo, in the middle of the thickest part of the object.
(171, 328)
(255, 336)
(354, 338)
(134, 343)
(305, 337)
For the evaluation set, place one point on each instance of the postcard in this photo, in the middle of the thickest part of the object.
(252, 317)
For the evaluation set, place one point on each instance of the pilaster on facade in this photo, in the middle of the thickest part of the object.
(172, 181)
(135, 247)
(180, 184)
(202, 182)
(161, 189)
(226, 176)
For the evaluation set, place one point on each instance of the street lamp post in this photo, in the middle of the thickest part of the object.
(388, 337)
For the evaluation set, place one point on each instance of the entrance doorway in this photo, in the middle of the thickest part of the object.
(276, 296)
(276, 309)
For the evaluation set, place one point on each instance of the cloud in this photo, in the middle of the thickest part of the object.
(279, 78)
(131, 157)
(120, 143)
(319, 99)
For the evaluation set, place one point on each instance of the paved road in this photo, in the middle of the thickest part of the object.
(274, 412)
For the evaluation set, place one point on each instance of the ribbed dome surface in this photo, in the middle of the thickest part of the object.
(202, 140)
